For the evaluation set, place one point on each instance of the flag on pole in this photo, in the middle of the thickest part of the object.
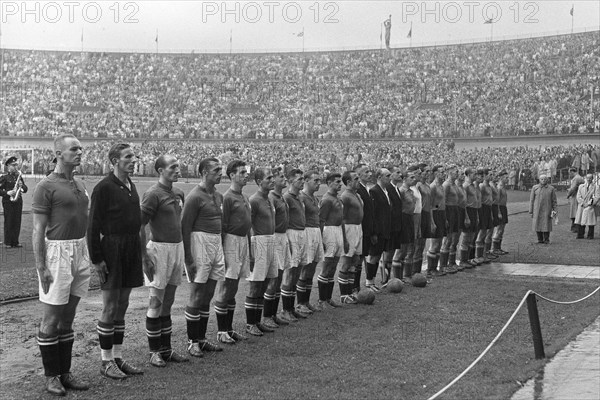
(572, 9)
(489, 21)
(388, 28)
(409, 36)
(156, 40)
(300, 34)
(81, 35)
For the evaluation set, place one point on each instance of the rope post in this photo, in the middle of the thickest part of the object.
(536, 330)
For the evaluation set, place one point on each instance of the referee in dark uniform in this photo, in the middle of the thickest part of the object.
(12, 203)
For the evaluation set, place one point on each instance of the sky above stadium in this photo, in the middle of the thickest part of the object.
(257, 26)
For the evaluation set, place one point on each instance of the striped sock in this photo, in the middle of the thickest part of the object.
(106, 335)
(118, 341)
(287, 298)
(65, 347)
(153, 332)
(166, 327)
(192, 318)
(301, 293)
(276, 302)
(343, 286)
(251, 306)
(204, 315)
(330, 287)
(323, 283)
(222, 316)
(259, 310)
(230, 313)
(269, 305)
(49, 349)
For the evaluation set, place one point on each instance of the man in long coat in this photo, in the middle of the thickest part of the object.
(576, 180)
(542, 208)
(585, 209)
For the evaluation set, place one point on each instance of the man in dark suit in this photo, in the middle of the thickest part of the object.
(382, 221)
(364, 174)
(396, 222)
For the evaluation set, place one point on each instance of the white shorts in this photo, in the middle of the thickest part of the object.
(354, 237)
(265, 263)
(207, 252)
(333, 241)
(169, 261)
(237, 259)
(314, 245)
(298, 250)
(69, 264)
(283, 257)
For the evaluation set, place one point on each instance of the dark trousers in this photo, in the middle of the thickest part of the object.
(12, 221)
(581, 231)
(543, 237)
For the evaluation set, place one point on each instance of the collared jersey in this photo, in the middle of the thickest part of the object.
(237, 219)
(163, 205)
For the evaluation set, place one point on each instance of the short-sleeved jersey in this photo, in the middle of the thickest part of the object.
(163, 205)
(281, 212)
(311, 210)
(202, 211)
(65, 203)
(297, 219)
(353, 208)
(263, 214)
(237, 218)
(331, 212)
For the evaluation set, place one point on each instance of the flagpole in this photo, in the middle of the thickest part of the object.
(303, 39)
(572, 17)
(410, 34)
(82, 39)
(230, 40)
(156, 40)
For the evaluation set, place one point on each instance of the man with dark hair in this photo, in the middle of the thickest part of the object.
(331, 214)
(282, 251)
(364, 177)
(382, 220)
(393, 190)
(162, 257)
(438, 213)
(503, 215)
(236, 247)
(203, 248)
(352, 218)
(12, 187)
(60, 216)
(314, 243)
(453, 216)
(263, 267)
(115, 250)
(296, 236)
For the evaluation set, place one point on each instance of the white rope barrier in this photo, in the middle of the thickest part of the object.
(502, 331)
(567, 302)
(484, 351)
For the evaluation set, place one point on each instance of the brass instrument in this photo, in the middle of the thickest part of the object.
(17, 193)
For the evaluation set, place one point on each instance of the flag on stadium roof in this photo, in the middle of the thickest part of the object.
(572, 9)
(489, 21)
(300, 34)
(409, 36)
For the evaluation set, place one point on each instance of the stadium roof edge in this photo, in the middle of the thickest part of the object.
(475, 42)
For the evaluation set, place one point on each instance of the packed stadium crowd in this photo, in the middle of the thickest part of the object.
(529, 86)
(524, 164)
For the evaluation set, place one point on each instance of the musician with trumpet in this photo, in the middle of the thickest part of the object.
(12, 188)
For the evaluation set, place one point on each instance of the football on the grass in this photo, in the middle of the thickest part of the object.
(395, 285)
(366, 297)
(419, 280)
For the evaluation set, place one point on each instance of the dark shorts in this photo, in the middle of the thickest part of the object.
(461, 218)
(378, 248)
(439, 217)
(453, 216)
(485, 217)
(426, 225)
(504, 214)
(366, 244)
(123, 257)
(473, 216)
(495, 218)
(407, 234)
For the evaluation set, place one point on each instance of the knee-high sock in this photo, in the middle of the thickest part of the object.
(269, 305)
(357, 273)
(204, 315)
(192, 318)
(106, 336)
(323, 286)
(65, 348)
(287, 298)
(230, 313)
(251, 306)
(371, 271)
(118, 341)
(153, 333)
(222, 316)
(50, 353)
(166, 327)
